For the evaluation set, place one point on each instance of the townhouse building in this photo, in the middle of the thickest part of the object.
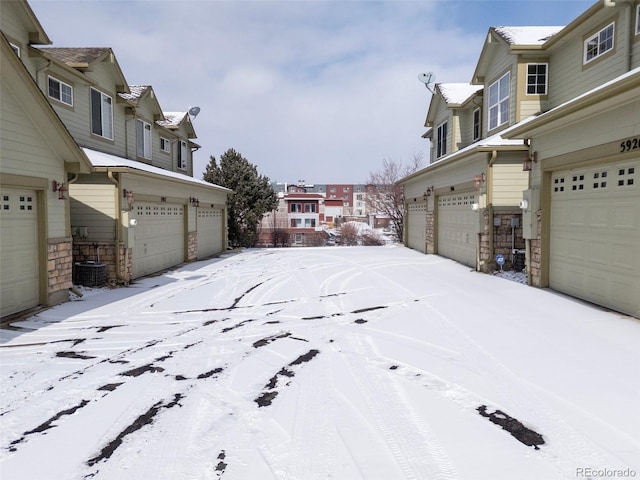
(539, 153)
(109, 180)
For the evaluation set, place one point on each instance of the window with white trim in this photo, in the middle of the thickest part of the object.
(638, 20)
(537, 78)
(143, 138)
(101, 114)
(476, 124)
(295, 207)
(499, 93)
(600, 43)
(165, 145)
(182, 155)
(60, 91)
(441, 142)
(309, 222)
(310, 208)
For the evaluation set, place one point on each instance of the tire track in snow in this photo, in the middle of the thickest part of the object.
(414, 446)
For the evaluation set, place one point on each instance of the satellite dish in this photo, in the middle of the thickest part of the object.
(427, 79)
(194, 111)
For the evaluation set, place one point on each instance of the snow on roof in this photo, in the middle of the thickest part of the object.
(101, 159)
(457, 92)
(527, 35)
(136, 91)
(172, 119)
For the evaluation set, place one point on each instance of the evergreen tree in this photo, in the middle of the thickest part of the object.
(252, 195)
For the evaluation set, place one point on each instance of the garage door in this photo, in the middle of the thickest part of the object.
(457, 227)
(595, 235)
(210, 231)
(19, 279)
(417, 226)
(159, 237)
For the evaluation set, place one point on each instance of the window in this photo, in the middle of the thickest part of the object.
(537, 78)
(296, 222)
(441, 143)
(476, 124)
(295, 207)
(101, 114)
(309, 208)
(182, 155)
(143, 138)
(60, 91)
(599, 44)
(165, 145)
(310, 222)
(638, 20)
(499, 101)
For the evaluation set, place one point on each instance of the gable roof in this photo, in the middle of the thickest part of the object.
(84, 58)
(526, 36)
(36, 34)
(457, 94)
(175, 120)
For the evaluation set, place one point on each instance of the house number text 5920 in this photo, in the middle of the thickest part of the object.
(630, 144)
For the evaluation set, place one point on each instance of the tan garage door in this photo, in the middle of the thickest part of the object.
(159, 237)
(595, 235)
(457, 237)
(417, 226)
(19, 271)
(210, 224)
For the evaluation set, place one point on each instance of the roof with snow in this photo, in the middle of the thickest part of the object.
(136, 92)
(105, 160)
(527, 35)
(172, 119)
(457, 93)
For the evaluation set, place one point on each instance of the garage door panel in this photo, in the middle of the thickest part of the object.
(417, 220)
(210, 227)
(457, 225)
(159, 237)
(19, 275)
(595, 234)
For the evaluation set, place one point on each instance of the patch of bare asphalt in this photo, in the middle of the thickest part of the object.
(514, 427)
(360, 310)
(267, 340)
(144, 419)
(238, 325)
(108, 327)
(221, 466)
(211, 373)
(270, 389)
(75, 355)
(48, 424)
(369, 309)
(360, 320)
(136, 372)
(110, 387)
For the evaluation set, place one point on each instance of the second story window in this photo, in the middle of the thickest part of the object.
(599, 44)
(295, 207)
(165, 145)
(499, 92)
(310, 208)
(143, 139)
(101, 114)
(441, 142)
(476, 124)
(60, 91)
(182, 155)
(537, 78)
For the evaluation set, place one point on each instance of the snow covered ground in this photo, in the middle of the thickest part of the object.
(327, 363)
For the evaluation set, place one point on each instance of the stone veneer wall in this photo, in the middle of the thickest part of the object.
(192, 246)
(535, 253)
(501, 239)
(59, 269)
(430, 233)
(87, 251)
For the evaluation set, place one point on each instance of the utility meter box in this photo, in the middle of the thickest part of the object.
(128, 229)
(530, 205)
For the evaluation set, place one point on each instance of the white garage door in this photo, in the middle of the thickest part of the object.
(595, 235)
(210, 231)
(19, 278)
(159, 237)
(456, 227)
(417, 226)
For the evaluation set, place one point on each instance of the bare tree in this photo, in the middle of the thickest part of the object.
(384, 195)
(349, 234)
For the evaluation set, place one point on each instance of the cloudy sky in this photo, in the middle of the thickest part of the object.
(315, 90)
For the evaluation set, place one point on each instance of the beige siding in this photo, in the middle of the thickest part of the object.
(569, 77)
(93, 209)
(509, 181)
(503, 63)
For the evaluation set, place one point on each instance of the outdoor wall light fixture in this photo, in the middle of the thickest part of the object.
(194, 202)
(60, 188)
(128, 194)
(479, 179)
(428, 192)
(529, 160)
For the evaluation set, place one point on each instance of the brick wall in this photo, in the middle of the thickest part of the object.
(86, 251)
(502, 236)
(535, 254)
(192, 246)
(430, 232)
(59, 269)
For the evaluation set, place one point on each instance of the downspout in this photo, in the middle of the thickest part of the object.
(631, 36)
(118, 226)
(489, 189)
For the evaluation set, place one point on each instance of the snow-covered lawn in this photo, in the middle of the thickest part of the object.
(341, 363)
